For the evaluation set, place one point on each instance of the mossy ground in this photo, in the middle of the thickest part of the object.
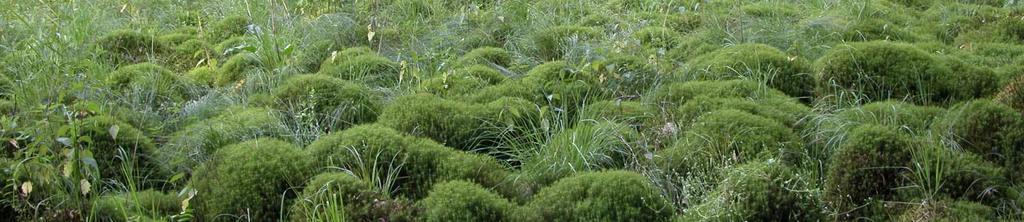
(516, 110)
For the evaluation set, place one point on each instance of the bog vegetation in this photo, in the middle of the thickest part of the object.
(512, 110)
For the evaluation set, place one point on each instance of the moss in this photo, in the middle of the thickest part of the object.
(691, 46)
(317, 198)
(109, 137)
(237, 68)
(565, 86)
(599, 196)
(970, 81)
(175, 39)
(551, 42)
(371, 69)
(883, 70)
(893, 113)
(986, 128)
(194, 142)
(681, 23)
(338, 57)
(422, 161)
(771, 10)
(457, 124)
(963, 176)
(949, 210)
(252, 178)
(231, 47)
(230, 26)
(759, 62)
(190, 54)
(487, 74)
(657, 37)
(587, 146)
(147, 203)
(151, 83)
(127, 46)
(1013, 94)
(723, 138)
(631, 112)
(760, 191)
(789, 112)
(451, 85)
(867, 167)
(486, 56)
(464, 201)
(6, 87)
(339, 101)
(676, 94)
(626, 75)
(203, 75)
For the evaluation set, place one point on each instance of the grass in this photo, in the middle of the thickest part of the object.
(59, 75)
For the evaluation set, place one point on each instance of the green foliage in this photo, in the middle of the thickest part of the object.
(462, 125)
(599, 196)
(399, 163)
(631, 112)
(787, 111)
(760, 63)
(986, 128)
(252, 179)
(371, 69)
(727, 137)
(657, 37)
(949, 210)
(330, 194)
(1013, 94)
(190, 54)
(588, 146)
(892, 113)
(464, 201)
(191, 145)
(675, 94)
(448, 85)
(868, 167)
(232, 46)
(565, 86)
(883, 70)
(237, 68)
(626, 75)
(231, 26)
(151, 84)
(343, 103)
(113, 142)
(203, 75)
(127, 46)
(760, 191)
(128, 206)
(553, 42)
(486, 56)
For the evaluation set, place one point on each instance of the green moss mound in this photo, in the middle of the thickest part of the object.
(337, 101)
(1013, 94)
(893, 113)
(203, 75)
(191, 145)
(334, 194)
(151, 84)
(486, 56)
(565, 86)
(452, 85)
(190, 54)
(986, 128)
(128, 46)
(230, 26)
(884, 70)
(631, 112)
(237, 68)
(146, 204)
(657, 37)
(728, 137)
(599, 196)
(626, 75)
(464, 201)
(787, 111)
(423, 161)
(949, 210)
(113, 142)
(371, 69)
(759, 62)
(760, 191)
(252, 178)
(233, 46)
(867, 168)
(552, 43)
(462, 125)
(588, 146)
(675, 94)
